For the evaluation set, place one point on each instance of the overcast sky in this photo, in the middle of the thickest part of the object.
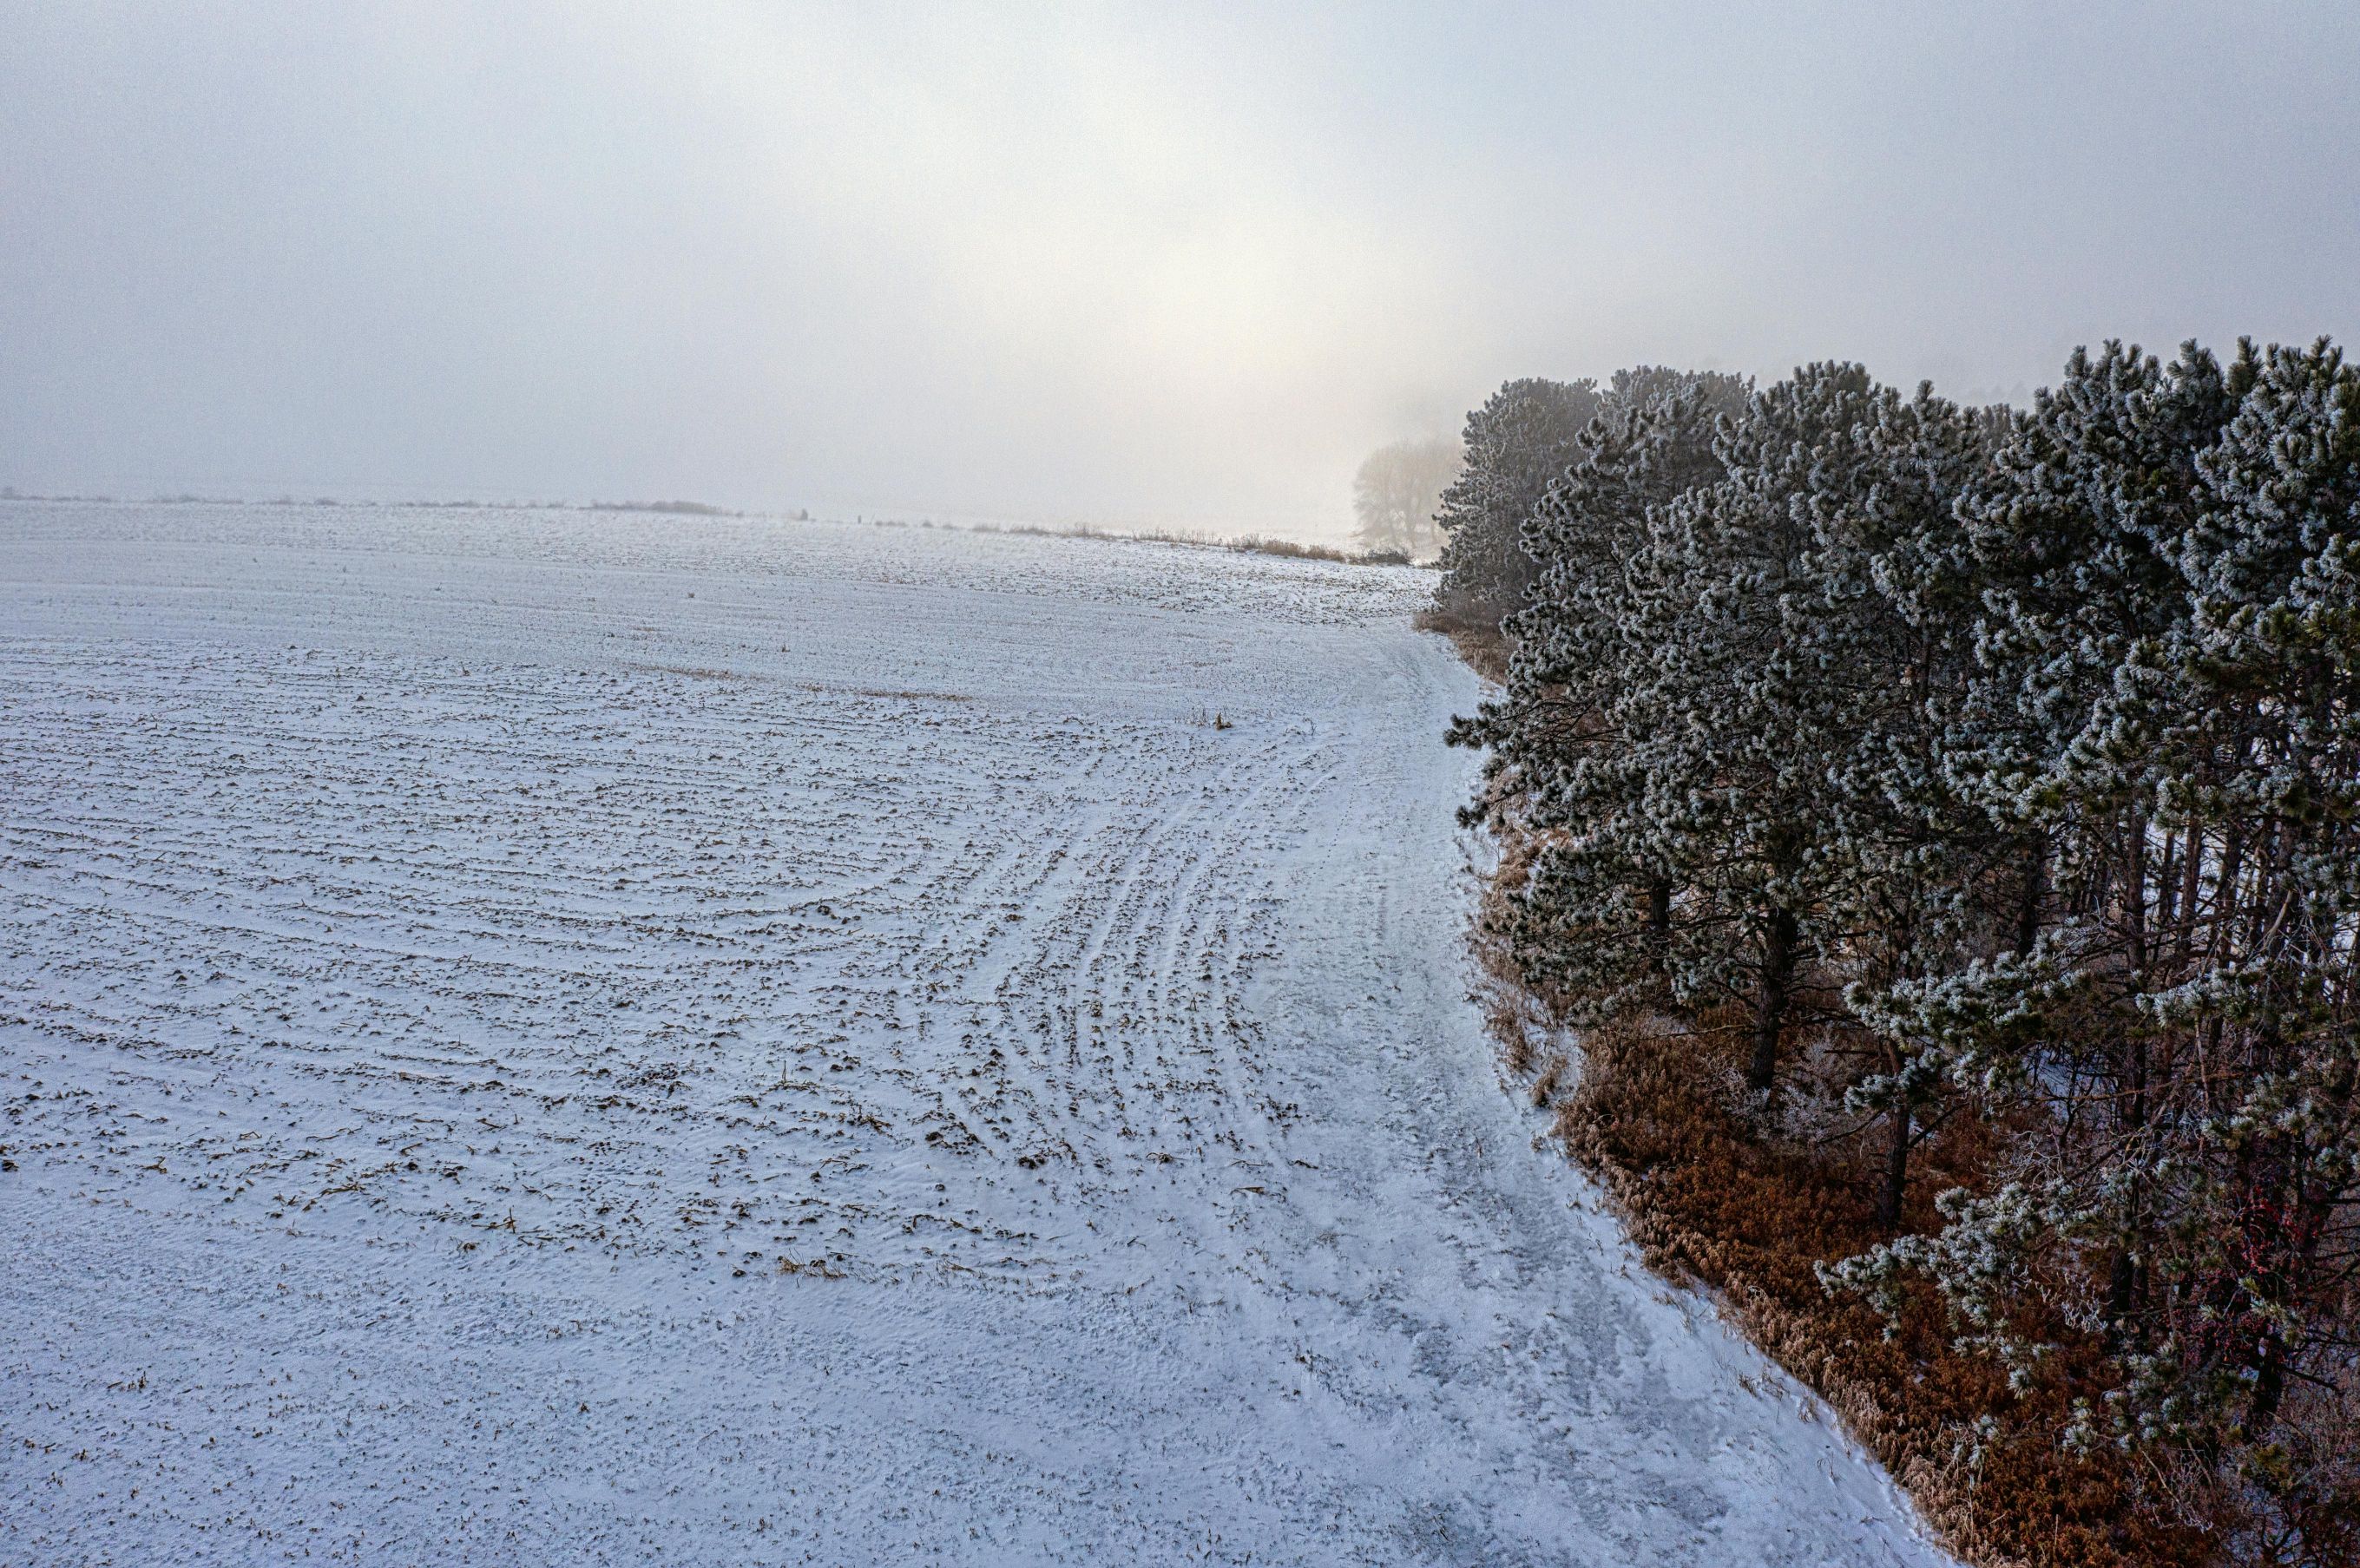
(1179, 265)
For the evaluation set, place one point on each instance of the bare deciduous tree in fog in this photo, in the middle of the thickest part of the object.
(1397, 492)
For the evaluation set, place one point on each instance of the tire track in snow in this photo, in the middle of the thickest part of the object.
(505, 1056)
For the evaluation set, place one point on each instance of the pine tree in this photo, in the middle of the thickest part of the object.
(2253, 704)
(1517, 445)
(2170, 697)
(1903, 880)
(1592, 919)
(1729, 696)
(2035, 739)
(2075, 537)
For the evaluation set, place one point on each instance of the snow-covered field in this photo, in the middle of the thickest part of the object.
(556, 1037)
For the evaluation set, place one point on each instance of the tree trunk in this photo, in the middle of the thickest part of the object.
(2191, 888)
(1897, 1170)
(2128, 1287)
(2035, 891)
(2270, 1388)
(2315, 1204)
(1770, 1011)
(1660, 921)
(2125, 1283)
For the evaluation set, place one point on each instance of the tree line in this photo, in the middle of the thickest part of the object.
(1990, 772)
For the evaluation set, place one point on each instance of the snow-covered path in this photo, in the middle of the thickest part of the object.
(552, 1037)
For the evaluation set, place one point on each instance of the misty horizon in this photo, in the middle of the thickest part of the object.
(1124, 268)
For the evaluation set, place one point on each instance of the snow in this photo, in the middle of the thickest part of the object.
(542, 1037)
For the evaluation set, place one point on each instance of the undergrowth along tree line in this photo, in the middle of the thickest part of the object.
(1975, 795)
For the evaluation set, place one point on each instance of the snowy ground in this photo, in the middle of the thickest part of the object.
(542, 1038)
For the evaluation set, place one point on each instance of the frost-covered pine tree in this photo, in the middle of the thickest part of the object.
(2075, 538)
(2168, 700)
(2072, 535)
(2035, 739)
(1517, 446)
(1591, 918)
(1725, 714)
(1900, 880)
(2249, 712)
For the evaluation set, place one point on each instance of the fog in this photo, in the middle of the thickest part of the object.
(1106, 264)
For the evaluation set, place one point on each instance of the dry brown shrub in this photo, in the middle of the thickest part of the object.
(1710, 1197)
(1504, 1021)
(1480, 643)
(1263, 544)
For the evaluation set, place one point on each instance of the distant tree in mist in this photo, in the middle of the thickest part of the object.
(1396, 492)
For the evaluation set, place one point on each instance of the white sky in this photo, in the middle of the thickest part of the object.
(1180, 265)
